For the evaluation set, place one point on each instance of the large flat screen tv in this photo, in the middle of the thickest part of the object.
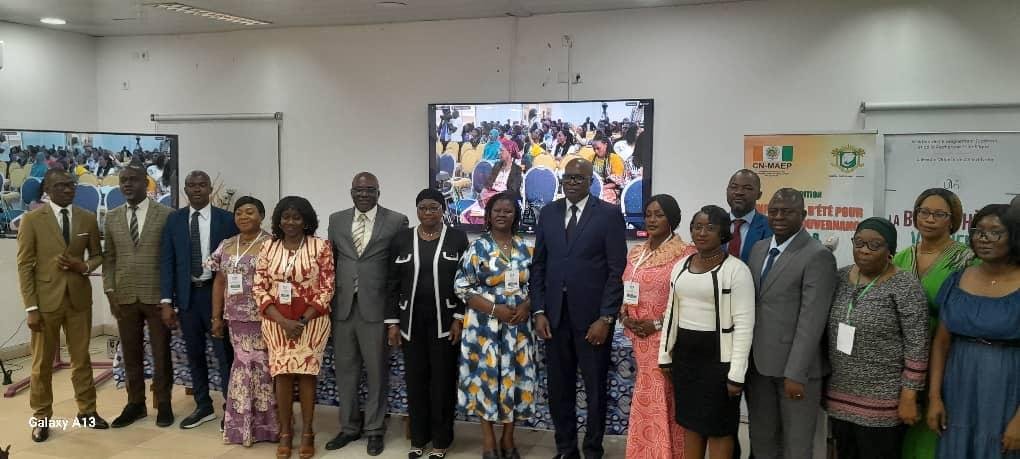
(94, 159)
(478, 150)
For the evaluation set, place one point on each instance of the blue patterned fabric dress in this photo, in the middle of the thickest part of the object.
(497, 366)
(981, 386)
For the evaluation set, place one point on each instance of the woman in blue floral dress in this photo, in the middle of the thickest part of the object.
(497, 370)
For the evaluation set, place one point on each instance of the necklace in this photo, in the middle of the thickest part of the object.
(940, 248)
(711, 258)
(426, 234)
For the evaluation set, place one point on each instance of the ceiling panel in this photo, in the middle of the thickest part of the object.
(136, 17)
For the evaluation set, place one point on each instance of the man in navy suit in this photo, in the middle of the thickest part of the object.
(189, 237)
(747, 226)
(576, 291)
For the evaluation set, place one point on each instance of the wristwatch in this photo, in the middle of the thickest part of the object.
(657, 324)
(608, 319)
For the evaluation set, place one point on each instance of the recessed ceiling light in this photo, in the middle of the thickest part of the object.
(208, 14)
(53, 21)
(390, 4)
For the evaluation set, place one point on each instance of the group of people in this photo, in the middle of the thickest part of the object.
(753, 305)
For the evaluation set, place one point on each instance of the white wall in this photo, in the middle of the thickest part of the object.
(48, 80)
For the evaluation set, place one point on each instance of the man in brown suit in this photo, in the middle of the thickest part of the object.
(53, 273)
(131, 282)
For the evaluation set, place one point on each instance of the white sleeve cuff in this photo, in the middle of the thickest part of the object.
(31, 308)
(392, 321)
(458, 316)
(166, 301)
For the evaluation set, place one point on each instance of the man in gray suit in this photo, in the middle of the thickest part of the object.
(361, 239)
(795, 279)
(131, 281)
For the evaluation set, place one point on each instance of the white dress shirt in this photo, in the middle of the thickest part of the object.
(580, 209)
(371, 214)
(143, 209)
(782, 248)
(60, 222)
(204, 227)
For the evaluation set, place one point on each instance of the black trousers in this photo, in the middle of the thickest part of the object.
(566, 351)
(431, 375)
(855, 441)
(196, 323)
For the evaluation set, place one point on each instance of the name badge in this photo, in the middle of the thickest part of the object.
(512, 280)
(845, 338)
(631, 292)
(286, 291)
(235, 284)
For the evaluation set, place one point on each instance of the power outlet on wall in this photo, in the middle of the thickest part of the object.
(125, 85)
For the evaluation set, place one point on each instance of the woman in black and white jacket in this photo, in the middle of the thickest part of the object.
(706, 337)
(423, 315)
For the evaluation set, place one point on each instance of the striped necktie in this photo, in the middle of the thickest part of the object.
(134, 224)
(359, 234)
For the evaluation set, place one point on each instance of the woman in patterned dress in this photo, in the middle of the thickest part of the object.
(651, 432)
(497, 370)
(293, 288)
(251, 403)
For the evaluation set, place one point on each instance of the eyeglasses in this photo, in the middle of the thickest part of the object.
(430, 209)
(709, 228)
(873, 246)
(990, 236)
(923, 213)
(785, 212)
(575, 178)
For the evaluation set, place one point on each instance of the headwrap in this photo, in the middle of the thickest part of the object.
(491, 152)
(433, 194)
(881, 226)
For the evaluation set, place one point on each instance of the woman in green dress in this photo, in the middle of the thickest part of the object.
(938, 214)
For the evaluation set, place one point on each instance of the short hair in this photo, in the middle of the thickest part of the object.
(1012, 236)
(952, 200)
(757, 179)
(790, 194)
(303, 207)
(197, 174)
(719, 217)
(508, 196)
(245, 200)
(366, 175)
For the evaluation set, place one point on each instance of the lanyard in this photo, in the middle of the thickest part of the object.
(237, 250)
(293, 258)
(853, 300)
(645, 254)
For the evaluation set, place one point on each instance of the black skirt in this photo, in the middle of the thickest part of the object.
(703, 405)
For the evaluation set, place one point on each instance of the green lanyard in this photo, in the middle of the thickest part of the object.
(850, 307)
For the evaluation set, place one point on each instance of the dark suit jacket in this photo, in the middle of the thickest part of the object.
(175, 251)
(403, 281)
(758, 230)
(792, 308)
(590, 267)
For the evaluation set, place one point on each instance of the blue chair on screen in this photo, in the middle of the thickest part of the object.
(633, 211)
(447, 163)
(31, 191)
(462, 205)
(596, 186)
(480, 176)
(167, 200)
(540, 186)
(87, 197)
(114, 199)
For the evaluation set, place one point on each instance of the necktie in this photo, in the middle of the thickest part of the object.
(134, 224)
(196, 247)
(735, 243)
(359, 234)
(768, 263)
(65, 226)
(572, 224)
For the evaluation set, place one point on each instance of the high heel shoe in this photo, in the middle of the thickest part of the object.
(283, 451)
(306, 452)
